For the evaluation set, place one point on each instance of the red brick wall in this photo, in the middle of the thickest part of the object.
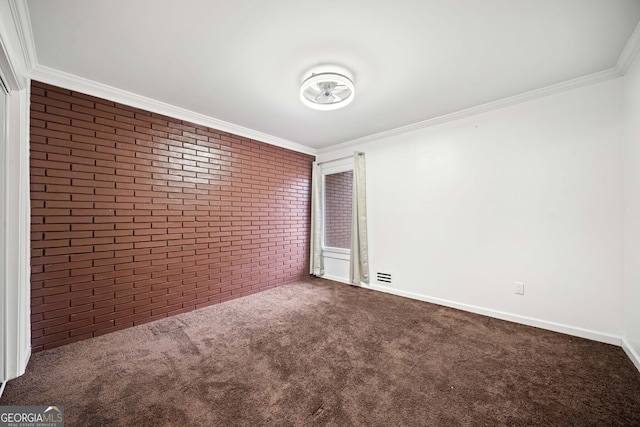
(338, 193)
(137, 216)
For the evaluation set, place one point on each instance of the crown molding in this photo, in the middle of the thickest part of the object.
(630, 51)
(626, 58)
(22, 22)
(90, 87)
(483, 108)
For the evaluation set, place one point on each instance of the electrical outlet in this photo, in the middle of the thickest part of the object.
(519, 288)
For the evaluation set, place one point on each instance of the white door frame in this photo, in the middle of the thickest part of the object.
(15, 267)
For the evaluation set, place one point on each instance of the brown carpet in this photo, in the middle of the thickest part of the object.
(324, 353)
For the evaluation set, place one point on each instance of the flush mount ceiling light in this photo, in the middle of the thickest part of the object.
(327, 90)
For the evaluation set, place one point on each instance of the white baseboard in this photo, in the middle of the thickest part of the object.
(25, 362)
(335, 278)
(4, 383)
(538, 323)
(69, 81)
(633, 355)
(529, 321)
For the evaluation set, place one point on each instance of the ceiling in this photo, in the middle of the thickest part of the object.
(242, 62)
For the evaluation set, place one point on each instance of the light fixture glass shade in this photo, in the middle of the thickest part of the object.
(327, 91)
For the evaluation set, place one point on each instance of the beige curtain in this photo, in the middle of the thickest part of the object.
(316, 264)
(359, 267)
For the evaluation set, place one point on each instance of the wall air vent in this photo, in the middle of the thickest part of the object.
(383, 278)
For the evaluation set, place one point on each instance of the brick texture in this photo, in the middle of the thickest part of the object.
(338, 194)
(137, 216)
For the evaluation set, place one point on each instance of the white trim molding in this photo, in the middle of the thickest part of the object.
(626, 58)
(336, 253)
(8, 73)
(336, 279)
(490, 106)
(12, 63)
(631, 353)
(15, 316)
(22, 22)
(90, 87)
(524, 320)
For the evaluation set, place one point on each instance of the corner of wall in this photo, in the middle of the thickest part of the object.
(631, 199)
(631, 353)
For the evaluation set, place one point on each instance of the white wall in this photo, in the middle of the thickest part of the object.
(529, 193)
(631, 155)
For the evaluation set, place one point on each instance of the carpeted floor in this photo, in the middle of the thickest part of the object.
(324, 353)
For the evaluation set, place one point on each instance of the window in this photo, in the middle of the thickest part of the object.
(337, 209)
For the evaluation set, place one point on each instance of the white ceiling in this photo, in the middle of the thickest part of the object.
(412, 60)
